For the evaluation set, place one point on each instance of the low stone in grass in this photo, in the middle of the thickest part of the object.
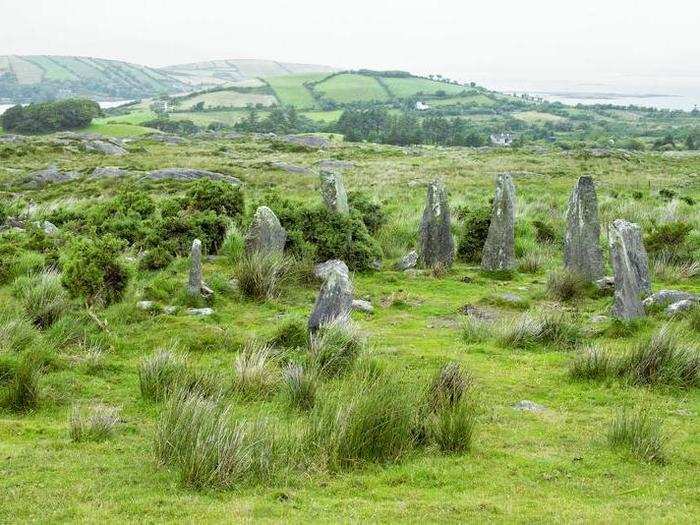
(334, 301)
(676, 308)
(361, 305)
(499, 250)
(265, 234)
(195, 285)
(667, 297)
(529, 406)
(407, 262)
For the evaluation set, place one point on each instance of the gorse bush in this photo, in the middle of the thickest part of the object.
(371, 213)
(638, 434)
(220, 197)
(96, 424)
(156, 259)
(159, 373)
(46, 117)
(544, 232)
(261, 275)
(669, 239)
(334, 348)
(473, 235)
(42, 296)
(91, 269)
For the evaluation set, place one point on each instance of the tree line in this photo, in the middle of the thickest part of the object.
(46, 117)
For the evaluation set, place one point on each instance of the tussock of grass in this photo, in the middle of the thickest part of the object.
(639, 434)
(475, 330)
(16, 332)
(254, 377)
(566, 285)
(42, 296)
(550, 329)
(591, 363)
(261, 275)
(21, 393)
(96, 424)
(292, 333)
(159, 372)
(300, 386)
(448, 386)
(334, 348)
(531, 263)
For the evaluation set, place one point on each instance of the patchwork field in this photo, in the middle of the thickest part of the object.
(349, 87)
(290, 90)
(550, 462)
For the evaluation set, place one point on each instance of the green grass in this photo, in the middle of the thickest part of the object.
(350, 87)
(290, 89)
(559, 459)
(227, 99)
(117, 130)
(408, 87)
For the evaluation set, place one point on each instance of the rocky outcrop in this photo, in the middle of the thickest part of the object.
(104, 147)
(499, 250)
(190, 174)
(666, 297)
(629, 261)
(289, 168)
(107, 172)
(334, 301)
(436, 243)
(265, 234)
(582, 253)
(333, 192)
(306, 141)
(50, 175)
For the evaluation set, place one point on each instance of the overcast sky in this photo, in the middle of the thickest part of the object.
(532, 40)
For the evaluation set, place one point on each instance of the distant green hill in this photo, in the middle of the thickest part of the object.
(42, 77)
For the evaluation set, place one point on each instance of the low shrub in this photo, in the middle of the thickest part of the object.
(300, 386)
(220, 197)
(334, 348)
(566, 285)
(670, 239)
(96, 425)
(473, 235)
(159, 373)
(42, 296)
(371, 213)
(638, 434)
(91, 269)
(261, 275)
(156, 259)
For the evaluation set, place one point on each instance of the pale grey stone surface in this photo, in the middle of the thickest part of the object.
(499, 249)
(333, 192)
(631, 268)
(408, 261)
(436, 242)
(265, 234)
(190, 174)
(334, 300)
(582, 253)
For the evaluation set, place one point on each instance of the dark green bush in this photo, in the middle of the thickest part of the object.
(91, 269)
(156, 259)
(177, 231)
(46, 117)
(669, 238)
(370, 212)
(473, 234)
(217, 196)
(544, 232)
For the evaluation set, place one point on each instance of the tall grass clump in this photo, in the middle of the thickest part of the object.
(159, 373)
(96, 424)
(291, 333)
(42, 296)
(475, 330)
(551, 329)
(261, 275)
(638, 434)
(195, 434)
(661, 360)
(531, 263)
(334, 348)
(17, 331)
(254, 376)
(592, 363)
(566, 285)
(21, 392)
(300, 386)
(368, 421)
(451, 418)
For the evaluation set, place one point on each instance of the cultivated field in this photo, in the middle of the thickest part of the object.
(304, 458)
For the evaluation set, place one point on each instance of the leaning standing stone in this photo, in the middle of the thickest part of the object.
(334, 301)
(499, 249)
(436, 243)
(265, 234)
(333, 192)
(582, 253)
(629, 261)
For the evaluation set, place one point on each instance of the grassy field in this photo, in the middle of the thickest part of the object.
(227, 99)
(408, 87)
(351, 87)
(479, 101)
(290, 89)
(550, 466)
(538, 117)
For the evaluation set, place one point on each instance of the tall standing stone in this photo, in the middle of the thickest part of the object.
(436, 243)
(333, 192)
(334, 301)
(194, 285)
(265, 234)
(631, 268)
(499, 250)
(582, 252)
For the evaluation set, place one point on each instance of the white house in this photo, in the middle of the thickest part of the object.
(422, 106)
(501, 139)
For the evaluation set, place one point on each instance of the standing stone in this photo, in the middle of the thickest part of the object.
(333, 192)
(630, 265)
(436, 243)
(499, 249)
(334, 301)
(194, 286)
(582, 252)
(265, 234)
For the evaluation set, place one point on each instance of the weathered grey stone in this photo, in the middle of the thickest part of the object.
(322, 270)
(436, 243)
(48, 227)
(306, 141)
(104, 147)
(333, 192)
(499, 249)
(361, 305)
(598, 319)
(194, 284)
(265, 234)
(166, 139)
(680, 306)
(606, 285)
(107, 172)
(170, 310)
(529, 406)
(200, 312)
(331, 164)
(190, 174)
(582, 252)
(407, 262)
(334, 300)
(50, 175)
(290, 168)
(629, 261)
(666, 297)
(145, 305)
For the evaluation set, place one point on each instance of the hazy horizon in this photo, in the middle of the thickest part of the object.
(623, 46)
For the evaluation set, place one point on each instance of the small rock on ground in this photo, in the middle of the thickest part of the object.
(362, 306)
(200, 312)
(529, 406)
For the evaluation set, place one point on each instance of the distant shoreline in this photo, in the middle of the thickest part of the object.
(594, 95)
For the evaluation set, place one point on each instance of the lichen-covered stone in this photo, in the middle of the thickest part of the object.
(582, 252)
(630, 265)
(333, 192)
(436, 242)
(407, 262)
(334, 301)
(194, 284)
(667, 297)
(265, 234)
(499, 250)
